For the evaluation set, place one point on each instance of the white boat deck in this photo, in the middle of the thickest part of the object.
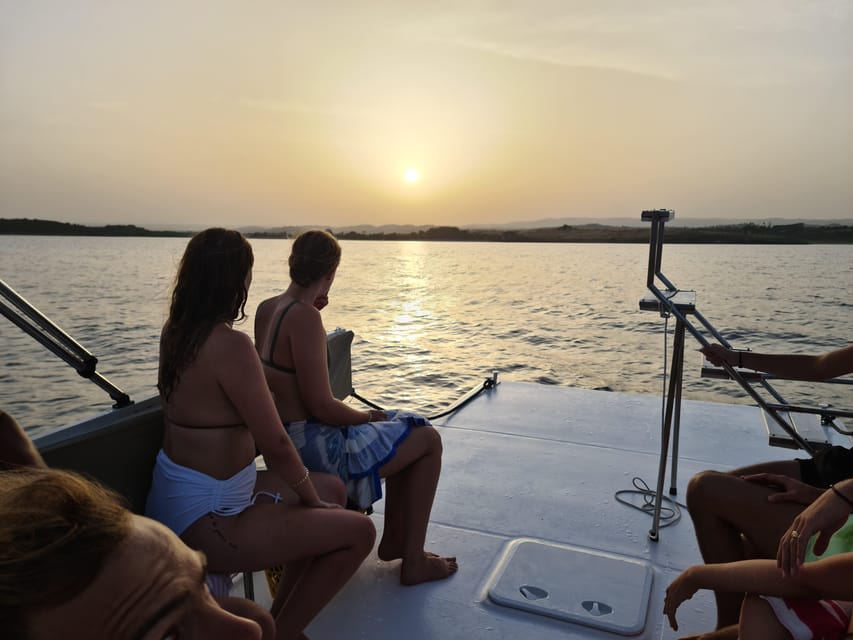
(531, 462)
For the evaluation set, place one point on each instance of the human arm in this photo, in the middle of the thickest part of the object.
(825, 578)
(795, 367)
(824, 516)
(240, 374)
(16, 449)
(308, 345)
(788, 489)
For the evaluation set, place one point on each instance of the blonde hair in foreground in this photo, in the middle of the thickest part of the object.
(57, 530)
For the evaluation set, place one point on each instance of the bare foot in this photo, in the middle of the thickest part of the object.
(427, 568)
(388, 552)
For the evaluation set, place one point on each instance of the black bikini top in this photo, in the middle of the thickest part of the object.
(184, 425)
(268, 361)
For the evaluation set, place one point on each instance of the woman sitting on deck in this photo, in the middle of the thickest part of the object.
(786, 598)
(217, 410)
(359, 446)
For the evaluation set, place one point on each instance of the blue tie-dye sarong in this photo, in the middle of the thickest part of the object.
(354, 453)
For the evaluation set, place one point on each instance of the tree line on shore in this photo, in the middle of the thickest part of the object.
(745, 233)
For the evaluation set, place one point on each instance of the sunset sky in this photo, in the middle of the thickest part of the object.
(334, 113)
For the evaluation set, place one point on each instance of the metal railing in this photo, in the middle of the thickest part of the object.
(678, 303)
(33, 322)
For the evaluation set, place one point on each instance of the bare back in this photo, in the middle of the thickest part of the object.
(273, 336)
(203, 429)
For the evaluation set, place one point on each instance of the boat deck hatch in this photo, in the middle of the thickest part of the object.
(578, 585)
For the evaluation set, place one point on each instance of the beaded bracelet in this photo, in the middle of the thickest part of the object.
(301, 480)
(841, 495)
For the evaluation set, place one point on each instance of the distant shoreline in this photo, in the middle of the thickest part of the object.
(745, 233)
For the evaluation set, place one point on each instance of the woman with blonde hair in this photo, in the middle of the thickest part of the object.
(362, 447)
(75, 563)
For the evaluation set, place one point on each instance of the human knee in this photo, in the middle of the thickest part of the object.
(433, 439)
(363, 533)
(758, 620)
(702, 488)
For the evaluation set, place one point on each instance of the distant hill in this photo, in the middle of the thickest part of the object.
(32, 227)
(741, 233)
(544, 223)
(749, 233)
(678, 221)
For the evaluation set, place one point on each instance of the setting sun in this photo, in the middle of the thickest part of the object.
(412, 175)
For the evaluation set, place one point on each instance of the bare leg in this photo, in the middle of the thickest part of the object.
(251, 611)
(324, 578)
(331, 489)
(723, 508)
(411, 481)
(335, 541)
(395, 533)
(758, 622)
(790, 468)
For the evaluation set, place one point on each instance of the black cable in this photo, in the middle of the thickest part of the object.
(488, 383)
(669, 515)
(370, 404)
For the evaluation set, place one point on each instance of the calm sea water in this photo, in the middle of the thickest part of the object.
(433, 319)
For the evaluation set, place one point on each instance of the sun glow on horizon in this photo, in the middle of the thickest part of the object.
(412, 175)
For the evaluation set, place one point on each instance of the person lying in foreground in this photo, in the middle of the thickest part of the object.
(786, 598)
(361, 447)
(76, 564)
(16, 449)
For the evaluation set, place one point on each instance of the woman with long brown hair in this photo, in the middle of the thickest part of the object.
(218, 410)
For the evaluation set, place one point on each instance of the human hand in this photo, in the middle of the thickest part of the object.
(376, 415)
(717, 354)
(824, 516)
(788, 489)
(682, 588)
(321, 301)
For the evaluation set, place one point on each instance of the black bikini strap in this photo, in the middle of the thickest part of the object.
(277, 329)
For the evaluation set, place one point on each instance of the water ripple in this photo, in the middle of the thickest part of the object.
(433, 319)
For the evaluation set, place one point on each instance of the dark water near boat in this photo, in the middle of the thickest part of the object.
(433, 319)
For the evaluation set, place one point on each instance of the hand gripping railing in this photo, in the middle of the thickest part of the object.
(32, 321)
(680, 304)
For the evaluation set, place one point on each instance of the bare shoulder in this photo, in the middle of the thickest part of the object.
(227, 344)
(306, 313)
(266, 307)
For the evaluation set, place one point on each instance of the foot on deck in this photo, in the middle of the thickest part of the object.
(388, 552)
(427, 568)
